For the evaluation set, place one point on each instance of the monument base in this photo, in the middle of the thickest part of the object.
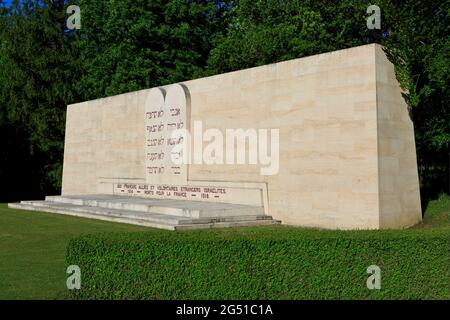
(157, 213)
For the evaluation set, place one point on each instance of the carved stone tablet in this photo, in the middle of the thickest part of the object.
(166, 112)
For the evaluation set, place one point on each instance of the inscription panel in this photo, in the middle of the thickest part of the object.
(165, 112)
(194, 193)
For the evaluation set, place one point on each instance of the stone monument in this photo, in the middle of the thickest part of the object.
(197, 154)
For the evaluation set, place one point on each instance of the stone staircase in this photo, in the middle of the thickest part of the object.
(163, 214)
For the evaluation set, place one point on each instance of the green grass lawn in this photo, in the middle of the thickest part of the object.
(33, 245)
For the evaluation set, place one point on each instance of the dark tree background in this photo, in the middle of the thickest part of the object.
(127, 45)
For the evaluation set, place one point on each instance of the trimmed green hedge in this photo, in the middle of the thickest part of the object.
(262, 263)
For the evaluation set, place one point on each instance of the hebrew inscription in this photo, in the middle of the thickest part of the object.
(165, 113)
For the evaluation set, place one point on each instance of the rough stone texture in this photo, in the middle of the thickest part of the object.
(347, 152)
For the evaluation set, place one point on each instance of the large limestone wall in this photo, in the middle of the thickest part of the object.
(339, 166)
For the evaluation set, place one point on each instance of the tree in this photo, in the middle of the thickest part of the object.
(414, 33)
(122, 46)
(37, 69)
(129, 45)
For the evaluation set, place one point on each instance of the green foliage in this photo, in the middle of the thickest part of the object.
(267, 262)
(414, 33)
(270, 31)
(27, 273)
(33, 247)
(437, 214)
(122, 46)
(419, 46)
(37, 68)
(273, 263)
(129, 45)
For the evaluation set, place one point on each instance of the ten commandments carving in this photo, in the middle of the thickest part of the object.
(166, 112)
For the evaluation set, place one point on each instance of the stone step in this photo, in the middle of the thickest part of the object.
(48, 206)
(145, 223)
(143, 218)
(192, 209)
(131, 214)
